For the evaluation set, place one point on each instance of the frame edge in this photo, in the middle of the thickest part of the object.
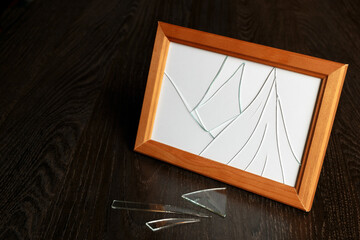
(153, 86)
(322, 132)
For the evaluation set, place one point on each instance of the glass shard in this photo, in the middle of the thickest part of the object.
(213, 199)
(151, 207)
(224, 104)
(169, 222)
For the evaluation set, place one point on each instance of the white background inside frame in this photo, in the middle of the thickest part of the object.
(248, 115)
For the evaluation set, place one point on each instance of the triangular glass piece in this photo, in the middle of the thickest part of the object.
(169, 222)
(213, 199)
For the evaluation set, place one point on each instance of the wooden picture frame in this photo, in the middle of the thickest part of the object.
(332, 76)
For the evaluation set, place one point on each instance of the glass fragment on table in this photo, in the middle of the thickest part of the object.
(169, 222)
(213, 199)
(152, 207)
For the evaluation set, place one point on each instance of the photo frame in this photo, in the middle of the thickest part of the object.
(249, 108)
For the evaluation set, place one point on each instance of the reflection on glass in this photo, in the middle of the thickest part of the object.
(169, 222)
(213, 199)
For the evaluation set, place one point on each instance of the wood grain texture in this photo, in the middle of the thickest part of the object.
(73, 76)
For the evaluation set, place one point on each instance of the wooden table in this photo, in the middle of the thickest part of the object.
(72, 77)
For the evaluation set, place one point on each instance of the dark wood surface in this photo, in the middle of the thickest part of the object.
(72, 79)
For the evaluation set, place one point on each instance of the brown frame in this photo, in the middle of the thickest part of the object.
(332, 74)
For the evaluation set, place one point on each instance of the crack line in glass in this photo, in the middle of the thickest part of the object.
(262, 139)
